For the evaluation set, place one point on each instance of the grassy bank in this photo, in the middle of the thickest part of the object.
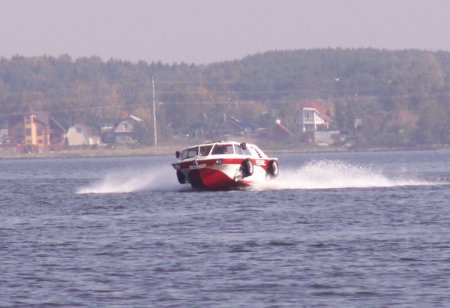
(98, 152)
(140, 151)
(170, 150)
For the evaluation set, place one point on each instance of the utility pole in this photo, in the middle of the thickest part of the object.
(155, 135)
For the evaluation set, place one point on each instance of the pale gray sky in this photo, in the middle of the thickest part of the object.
(205, 31)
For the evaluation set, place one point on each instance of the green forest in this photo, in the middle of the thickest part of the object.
(400, 98)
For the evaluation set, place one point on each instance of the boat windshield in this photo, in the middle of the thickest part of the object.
(217, 149)
(222, 149)
(205, 149)
(189, 153)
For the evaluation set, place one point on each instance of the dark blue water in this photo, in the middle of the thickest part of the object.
(338, 230)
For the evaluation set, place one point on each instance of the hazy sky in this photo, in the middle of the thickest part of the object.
(205, 31)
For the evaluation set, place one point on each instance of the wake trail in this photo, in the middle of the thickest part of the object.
(327, 174)
(132, 180)
(323, 174)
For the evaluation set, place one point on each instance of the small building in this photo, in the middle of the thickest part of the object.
(237, 126)
(107, 128)
(326, 138)
(35, 131)
(81, 134)
(129, 130)
(4, 138)
(312, 117)
(125, 130)
(279, 131)
(230, 126)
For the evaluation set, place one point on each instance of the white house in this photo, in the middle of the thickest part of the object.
(311, 118)
(3, 133)
(81, 134)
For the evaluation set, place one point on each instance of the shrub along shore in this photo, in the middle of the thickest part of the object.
(91, 152)
(165, 149)
(170, 150)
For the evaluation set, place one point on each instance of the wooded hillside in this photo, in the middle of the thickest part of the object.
(401, 98)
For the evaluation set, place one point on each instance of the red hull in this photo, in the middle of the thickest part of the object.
(213, 180)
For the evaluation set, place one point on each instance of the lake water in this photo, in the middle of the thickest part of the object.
(337, 229)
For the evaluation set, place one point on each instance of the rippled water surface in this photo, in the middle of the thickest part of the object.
(348, 230)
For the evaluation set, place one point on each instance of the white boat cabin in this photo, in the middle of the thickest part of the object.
(221, 148)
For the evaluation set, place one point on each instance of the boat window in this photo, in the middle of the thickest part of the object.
(223, 149)
(259, 154)
(241, 151)
(238, 150)
(205, 149)
(189, 153)
(256, 151)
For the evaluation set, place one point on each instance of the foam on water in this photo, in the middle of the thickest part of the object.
(323, 174)
(124, 181)
(327, 174)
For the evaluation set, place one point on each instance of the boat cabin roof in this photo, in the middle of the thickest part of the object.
(222, 148)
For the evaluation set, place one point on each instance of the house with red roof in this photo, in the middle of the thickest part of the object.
(279, 131)
(312, 117)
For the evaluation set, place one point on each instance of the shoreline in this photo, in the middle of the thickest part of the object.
(170, 149)
(92, 153)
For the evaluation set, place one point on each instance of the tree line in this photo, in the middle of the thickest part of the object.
(398, 98)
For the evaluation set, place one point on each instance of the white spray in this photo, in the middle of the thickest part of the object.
(323, 174)
(326, 174)
(125, 181)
